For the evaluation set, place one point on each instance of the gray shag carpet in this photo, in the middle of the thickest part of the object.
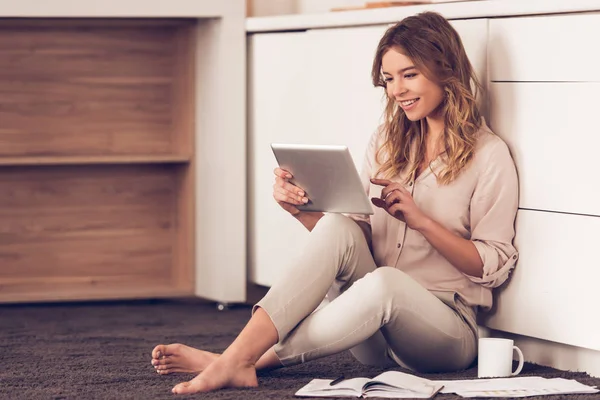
(102, 351)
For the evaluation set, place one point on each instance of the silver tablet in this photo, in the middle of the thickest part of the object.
(328, 176)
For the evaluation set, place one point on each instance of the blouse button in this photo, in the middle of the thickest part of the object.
(410, 183)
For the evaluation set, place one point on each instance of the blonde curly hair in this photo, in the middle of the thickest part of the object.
(437, 51)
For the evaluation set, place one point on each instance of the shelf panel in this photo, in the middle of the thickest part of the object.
(94, 231)
(74, 291)
(112, 88)
(91, 160)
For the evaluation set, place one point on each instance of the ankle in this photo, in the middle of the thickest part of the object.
(238, 359)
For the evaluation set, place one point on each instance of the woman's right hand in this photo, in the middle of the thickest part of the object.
(287, 195)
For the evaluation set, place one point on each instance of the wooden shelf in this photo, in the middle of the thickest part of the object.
(109, 230)
(91, 160)
(97, 168)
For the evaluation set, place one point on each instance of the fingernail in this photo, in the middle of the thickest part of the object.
(288, 175)
(304, 200)
(300, 193)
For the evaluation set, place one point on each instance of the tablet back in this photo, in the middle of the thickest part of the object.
(328, 176)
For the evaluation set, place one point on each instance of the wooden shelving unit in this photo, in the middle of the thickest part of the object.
(96, 159)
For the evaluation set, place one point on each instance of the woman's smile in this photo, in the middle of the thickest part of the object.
(408, 105)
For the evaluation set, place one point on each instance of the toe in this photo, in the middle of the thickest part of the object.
(159, 351)
(170, 371)
(181, 388)
(194, 386)
(162, 361)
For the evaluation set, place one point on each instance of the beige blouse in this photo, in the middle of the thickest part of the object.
(479, 205)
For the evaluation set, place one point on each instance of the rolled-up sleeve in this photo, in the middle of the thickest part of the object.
(492, 216)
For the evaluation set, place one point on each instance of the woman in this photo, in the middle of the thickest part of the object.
(404, 284)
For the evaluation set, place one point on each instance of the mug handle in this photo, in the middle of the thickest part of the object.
(521, 361)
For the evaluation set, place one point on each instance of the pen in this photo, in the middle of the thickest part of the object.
(337, 380)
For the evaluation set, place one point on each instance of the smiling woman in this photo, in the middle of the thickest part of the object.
(425, 70)
(405, 283)
(408, 87)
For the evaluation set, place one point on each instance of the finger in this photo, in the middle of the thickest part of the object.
(403, 189)
(290, 187)
(393, 198)
(282, 195)
(389, 189)
(380, 182)
(377, 202)
(282, 198)
(397, 210)
(289, 190)
(282, 173)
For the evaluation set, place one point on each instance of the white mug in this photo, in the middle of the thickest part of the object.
(495, 358)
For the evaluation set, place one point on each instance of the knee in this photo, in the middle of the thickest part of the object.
(338, 226)
(336, 222)
(386, 278)
(384, 285)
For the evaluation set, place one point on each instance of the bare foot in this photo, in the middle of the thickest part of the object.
(176, 357)
(222, 373)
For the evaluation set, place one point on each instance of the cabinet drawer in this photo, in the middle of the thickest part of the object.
(555, 281)
(554, 139)
(557, 48)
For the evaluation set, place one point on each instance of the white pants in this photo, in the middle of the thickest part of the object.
(383, 316)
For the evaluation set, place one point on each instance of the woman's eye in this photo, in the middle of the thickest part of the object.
(408, 76)
(387, 79)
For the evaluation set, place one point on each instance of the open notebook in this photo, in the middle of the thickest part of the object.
(395, 384)
(390, 384)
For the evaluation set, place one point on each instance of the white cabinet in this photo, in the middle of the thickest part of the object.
(305, 87)
(277, 101)
(555, 282)
(542, 76)
(313, 87)
(561, 48)
(344, 107)
(554, 139)
(543, 90)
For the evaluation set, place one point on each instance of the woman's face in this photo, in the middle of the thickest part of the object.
(409, 88)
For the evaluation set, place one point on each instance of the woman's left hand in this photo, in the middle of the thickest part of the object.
(398, 202)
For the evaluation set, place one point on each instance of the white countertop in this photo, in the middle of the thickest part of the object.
(120, 8)
(458, 10)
